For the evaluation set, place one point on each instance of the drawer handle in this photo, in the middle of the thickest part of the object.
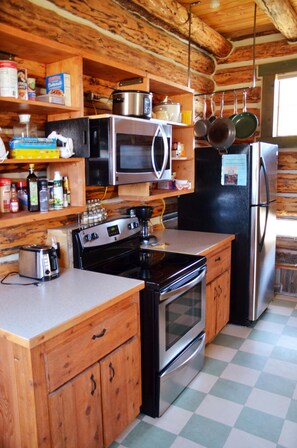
(94, 385)
(99, 335)
(112, 372)
(218, 259)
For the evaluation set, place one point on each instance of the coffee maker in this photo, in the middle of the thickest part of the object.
(144, 214)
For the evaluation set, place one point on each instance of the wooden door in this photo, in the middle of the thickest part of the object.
(223, 300)
(210, 314)
(121, 388)
(75, 412)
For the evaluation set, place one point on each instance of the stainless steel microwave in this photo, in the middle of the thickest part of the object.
(119, 149)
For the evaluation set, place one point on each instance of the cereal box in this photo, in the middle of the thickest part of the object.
(22, 84)
(59, 84)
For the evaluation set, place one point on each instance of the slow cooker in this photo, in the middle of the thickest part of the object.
(132, 103)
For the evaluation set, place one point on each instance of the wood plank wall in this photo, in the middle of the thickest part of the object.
(105, 29)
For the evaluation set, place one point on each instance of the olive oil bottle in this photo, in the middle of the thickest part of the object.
(32, 186)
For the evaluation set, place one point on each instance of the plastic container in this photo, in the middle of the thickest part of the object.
(8, 79)
(5, 185)
(58, 191)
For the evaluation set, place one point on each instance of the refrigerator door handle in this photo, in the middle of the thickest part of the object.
(262, 237)
(263, 167)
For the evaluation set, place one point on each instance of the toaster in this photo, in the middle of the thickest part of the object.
(38, 262)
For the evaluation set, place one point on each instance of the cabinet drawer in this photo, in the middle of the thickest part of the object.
(218, 263)
(78, 348)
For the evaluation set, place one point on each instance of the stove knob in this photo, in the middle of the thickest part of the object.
(94, 236)
(88, 237)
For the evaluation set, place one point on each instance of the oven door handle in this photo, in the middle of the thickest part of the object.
(184, 288)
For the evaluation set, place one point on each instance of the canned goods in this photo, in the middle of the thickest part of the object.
(5, 184)
(8, 79)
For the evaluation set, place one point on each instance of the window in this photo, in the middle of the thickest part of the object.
(285, 105)
(279, 103)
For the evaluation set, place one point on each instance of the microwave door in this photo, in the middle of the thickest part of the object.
(160, 132)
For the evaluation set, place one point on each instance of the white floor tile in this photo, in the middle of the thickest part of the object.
(287, 342)
(219, 352)
(173, 420)
(269, 326)
(240, 374)
(268, 402)
(295, 393)
(283, 310)
(203, 382)
(256, 347)
(180, 442)
(288, 437)
(220, 410)
(236, 330)
(241, 439)
(281, 368)
(292, 321)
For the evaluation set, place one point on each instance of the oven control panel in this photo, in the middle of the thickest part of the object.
(109, 231)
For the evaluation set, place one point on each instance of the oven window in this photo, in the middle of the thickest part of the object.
(182, 314)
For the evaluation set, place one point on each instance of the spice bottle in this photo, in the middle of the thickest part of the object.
(66, 191)
(58, 191)
(32, 186)
(22, 195)
(43, 194)
(5, 195)
(14, 202)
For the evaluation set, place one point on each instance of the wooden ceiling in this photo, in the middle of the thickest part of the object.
(234, 19)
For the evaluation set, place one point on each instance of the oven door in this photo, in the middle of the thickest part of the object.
(181, 315)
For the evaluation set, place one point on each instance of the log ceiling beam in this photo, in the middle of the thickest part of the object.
(283, 16)
(174, 17)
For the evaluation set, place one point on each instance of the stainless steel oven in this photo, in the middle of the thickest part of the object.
(172, 305)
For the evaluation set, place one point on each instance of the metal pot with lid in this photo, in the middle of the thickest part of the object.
(132, 103)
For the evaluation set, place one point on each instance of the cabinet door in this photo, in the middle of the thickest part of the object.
(222, 287)
(121, 388)
(210, 312)
(75, 412)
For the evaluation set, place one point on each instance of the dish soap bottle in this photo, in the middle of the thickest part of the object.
(32, 187)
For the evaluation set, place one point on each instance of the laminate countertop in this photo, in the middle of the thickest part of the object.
(189, 242)
(31, 314)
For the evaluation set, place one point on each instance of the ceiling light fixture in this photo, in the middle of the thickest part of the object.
(214, 4)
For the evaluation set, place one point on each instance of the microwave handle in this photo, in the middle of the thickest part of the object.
(160, 129)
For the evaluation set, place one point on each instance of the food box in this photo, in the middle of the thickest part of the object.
(59, 85)
(22, 84)
(34, 153)
(33, 143)
(53, 99)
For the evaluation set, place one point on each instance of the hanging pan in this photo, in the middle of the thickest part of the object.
(201, 125)
(245, 123)
(222, 132)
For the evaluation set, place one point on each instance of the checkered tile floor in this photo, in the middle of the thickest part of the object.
(245, 396)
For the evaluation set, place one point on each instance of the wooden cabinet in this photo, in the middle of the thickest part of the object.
(79, 388)
(55, 58)
(217, 291)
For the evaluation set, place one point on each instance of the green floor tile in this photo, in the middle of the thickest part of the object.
(214, 366)
(260, 424)
(264, 336)
(229, 341)
(249, 360)
(206, 432)
(229, 390)
(292, 412)
(276, 384)
(148, 436)
(285, 354)
(190, 399)
(275, 318)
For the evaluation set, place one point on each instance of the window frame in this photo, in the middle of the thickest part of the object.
(268, 73)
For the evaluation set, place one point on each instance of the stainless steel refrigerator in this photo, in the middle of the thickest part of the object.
(236, 193)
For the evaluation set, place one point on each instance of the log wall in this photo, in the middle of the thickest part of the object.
(110, 29)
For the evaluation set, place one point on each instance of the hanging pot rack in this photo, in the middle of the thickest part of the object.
(254, 67)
